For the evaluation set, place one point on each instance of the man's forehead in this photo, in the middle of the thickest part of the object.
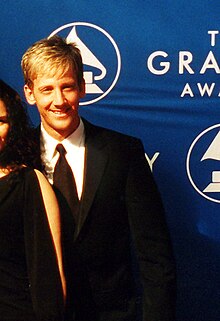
(56, 75)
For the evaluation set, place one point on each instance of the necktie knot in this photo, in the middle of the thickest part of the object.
(61, 149)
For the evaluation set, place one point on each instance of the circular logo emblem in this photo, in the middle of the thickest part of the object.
(100, 55)
(203, 163)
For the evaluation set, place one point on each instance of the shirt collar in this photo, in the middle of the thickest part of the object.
(48, 143)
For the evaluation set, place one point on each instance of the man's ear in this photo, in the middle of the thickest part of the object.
(82, 89)
(29, 95)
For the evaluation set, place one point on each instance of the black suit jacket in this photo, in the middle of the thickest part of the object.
(120, 210)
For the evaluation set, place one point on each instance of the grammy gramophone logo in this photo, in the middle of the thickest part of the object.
(203, 163)
(100, 55)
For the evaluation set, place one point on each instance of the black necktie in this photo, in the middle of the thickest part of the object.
(65, 188)
(64, 183)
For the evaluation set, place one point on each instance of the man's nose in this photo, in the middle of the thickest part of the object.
(59, 98)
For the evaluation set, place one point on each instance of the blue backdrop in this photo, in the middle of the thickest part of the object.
(152, 71)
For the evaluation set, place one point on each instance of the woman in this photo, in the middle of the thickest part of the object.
(32, 283)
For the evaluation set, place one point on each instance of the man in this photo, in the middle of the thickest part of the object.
(118, 209)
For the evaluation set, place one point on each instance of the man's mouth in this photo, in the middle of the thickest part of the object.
(61, 112)
(58, 112)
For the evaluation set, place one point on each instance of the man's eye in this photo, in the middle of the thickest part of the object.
(3, 120)
(46, 90)
(69, 87)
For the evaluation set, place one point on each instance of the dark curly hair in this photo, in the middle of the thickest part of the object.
(20, 147)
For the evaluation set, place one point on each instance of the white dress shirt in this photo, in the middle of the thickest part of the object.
(75, 154)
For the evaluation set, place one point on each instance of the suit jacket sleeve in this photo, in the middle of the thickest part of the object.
(151, 239)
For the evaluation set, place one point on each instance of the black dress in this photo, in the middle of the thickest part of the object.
(30, 286)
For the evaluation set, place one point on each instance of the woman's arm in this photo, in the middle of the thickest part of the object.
(53, 215)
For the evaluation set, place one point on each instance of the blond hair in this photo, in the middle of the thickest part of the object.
(49, 56)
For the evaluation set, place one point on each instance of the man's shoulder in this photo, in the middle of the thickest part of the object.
(108, 133)
(36, 132)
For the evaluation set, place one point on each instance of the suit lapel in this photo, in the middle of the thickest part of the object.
(95, 161)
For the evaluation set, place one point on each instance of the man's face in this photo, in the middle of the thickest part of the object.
(57, 99)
